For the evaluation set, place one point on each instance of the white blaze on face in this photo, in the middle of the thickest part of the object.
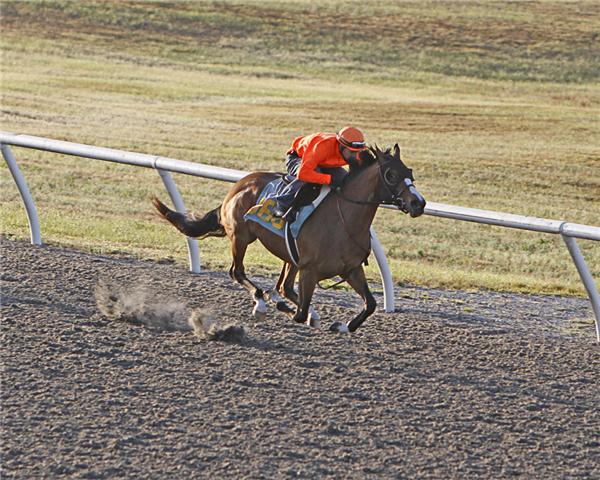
(413, 190)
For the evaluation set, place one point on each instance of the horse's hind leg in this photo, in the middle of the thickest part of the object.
(238, 273)
(358, 282)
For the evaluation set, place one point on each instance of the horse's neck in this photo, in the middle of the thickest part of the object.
(362, 188)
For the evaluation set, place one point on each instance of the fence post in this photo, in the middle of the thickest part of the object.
(32, 216)
(586, 278)
(385, 272)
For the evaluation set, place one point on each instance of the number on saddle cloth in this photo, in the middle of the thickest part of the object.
(262, 212)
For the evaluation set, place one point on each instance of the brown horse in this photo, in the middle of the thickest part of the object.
(335, 239)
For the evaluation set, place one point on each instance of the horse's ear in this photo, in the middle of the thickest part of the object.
(396, 152)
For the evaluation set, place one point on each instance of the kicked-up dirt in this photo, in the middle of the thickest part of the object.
(452, 385)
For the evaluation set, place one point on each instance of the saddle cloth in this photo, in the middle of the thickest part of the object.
(262, 213)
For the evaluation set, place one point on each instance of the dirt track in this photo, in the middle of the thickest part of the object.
(454, 385)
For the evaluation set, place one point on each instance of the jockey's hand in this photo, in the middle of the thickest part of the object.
(336, 182)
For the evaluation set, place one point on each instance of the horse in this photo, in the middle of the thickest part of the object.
(334, 241)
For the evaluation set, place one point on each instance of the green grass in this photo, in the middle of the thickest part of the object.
(495, 105)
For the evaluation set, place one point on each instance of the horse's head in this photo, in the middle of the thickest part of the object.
(396, 185)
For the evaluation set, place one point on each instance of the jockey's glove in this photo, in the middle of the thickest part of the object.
(336, 182)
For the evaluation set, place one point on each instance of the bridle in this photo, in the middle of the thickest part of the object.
(393, 198)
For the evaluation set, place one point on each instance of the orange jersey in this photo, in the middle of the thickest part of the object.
(317, 150)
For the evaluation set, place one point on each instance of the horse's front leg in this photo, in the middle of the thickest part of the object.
(358, 282)
(306, 288)
(285, 287)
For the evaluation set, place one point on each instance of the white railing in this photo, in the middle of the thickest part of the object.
(164, 165)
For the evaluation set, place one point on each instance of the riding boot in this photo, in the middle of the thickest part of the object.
(279, 210)
(286, 198)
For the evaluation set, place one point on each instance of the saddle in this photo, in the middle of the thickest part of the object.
(305, 202)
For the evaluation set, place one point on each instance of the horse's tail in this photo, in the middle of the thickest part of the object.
(188, 224)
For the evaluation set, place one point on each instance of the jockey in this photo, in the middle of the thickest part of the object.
(318, 158)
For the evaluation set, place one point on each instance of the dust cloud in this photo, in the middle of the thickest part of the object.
(138, 305)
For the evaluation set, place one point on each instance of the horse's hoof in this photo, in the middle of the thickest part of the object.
(312, 314)
(284, 307)
(314, 322)
(260, 309)
(339, 327)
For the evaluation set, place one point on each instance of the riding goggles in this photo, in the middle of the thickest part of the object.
(352, 145)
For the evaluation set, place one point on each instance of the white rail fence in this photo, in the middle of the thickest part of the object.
(568, 231)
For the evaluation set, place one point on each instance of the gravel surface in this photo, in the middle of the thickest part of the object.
(452, 385)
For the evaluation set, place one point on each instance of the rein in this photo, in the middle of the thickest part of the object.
(366, 250)
(342, 280)
(394, 197)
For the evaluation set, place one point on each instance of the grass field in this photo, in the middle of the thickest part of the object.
(494, 104)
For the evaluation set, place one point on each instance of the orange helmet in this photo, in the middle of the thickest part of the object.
(352, 138)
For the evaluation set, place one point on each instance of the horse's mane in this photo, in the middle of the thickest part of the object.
(367, 158)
